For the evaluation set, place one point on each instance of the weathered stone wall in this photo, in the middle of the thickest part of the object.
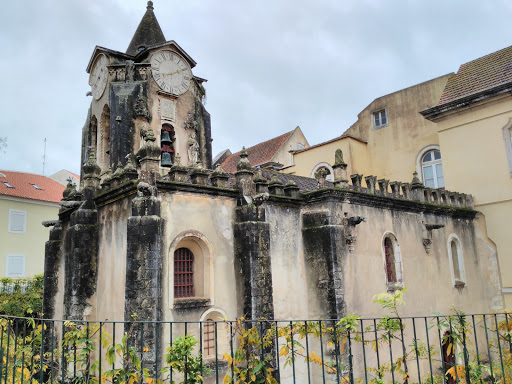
(204, 224)
(288, 264)
(252, 258)
(324, 252)
(80, 255)
(52, 259)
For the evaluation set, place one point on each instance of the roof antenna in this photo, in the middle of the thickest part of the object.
(44, 155)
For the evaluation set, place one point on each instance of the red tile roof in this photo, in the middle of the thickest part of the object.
(50, 191)
(259, 154)
(479, 75)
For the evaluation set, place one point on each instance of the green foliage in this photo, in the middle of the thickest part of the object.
(77, 357)
(252, 362)
(180, 357)
(21, 297)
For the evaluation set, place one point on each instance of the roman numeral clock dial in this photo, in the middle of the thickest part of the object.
(98, 77)
(171, 72)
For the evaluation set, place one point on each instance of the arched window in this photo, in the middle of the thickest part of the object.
(208, 338)
(392, 261)
(93, 133)
(167, 145)
(432, 169)
(214, 339)
(105, 138)
(191, 270)
(327, 167)
(183, 273)
(456, 261)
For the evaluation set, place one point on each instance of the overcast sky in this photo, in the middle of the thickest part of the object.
(270, 65)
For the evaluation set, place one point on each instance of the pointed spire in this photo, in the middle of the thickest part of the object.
(148, 33)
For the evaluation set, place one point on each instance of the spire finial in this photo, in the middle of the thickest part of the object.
(150, 5)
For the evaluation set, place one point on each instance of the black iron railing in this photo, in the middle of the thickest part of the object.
(437, 349)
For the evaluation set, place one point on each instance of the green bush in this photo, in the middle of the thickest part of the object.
(21, 297)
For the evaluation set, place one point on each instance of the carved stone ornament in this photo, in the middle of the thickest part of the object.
(143, 72)
(321, 177)
(190, 122)
(349, 224)
(130, 70)
(193, 149)
(338, 157)
(120, 74)
(427, 243)
(427, 234)
(140, 107)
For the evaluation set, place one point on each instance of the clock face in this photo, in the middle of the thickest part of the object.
(99, 75)
(171, 72)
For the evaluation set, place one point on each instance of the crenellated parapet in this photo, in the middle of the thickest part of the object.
(414, 191)
(248, 182)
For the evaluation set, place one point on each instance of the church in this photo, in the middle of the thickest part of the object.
(154, 231)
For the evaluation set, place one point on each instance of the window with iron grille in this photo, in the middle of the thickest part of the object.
(390, 261)
(208, 338)
(183, 273)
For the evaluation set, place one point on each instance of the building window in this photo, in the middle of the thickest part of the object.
(215, 336)
(432, 169)
(191, 271)
(7, 184)
(183, 273)
(380, 119)
(392, 262)
(328, 168)
(105, 138)
(17, 221)
(167, 146)
(299, 146)
(36, 187)
(15, 266)
(208, 338)
(456, 262)
(93, 140)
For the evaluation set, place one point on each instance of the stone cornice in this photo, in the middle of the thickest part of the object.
(175, 186)
(126, 189)
(386, 202)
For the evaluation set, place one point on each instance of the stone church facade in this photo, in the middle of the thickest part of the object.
(153, 231)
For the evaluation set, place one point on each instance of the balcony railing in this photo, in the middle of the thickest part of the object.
(436, 349)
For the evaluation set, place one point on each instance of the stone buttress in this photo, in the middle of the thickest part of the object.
(143, 290)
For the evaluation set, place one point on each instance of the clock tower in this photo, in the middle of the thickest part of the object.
(148, 91)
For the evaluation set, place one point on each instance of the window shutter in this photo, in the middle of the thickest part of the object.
(15, 266)
(17, 221)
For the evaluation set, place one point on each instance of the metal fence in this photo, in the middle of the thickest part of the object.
(437, 349)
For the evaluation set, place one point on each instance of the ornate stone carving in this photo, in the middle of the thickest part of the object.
(427, 234)
(120, 74)
(142, 73)
(140, 107)
(193, 149)
(338, 157)
(349, 224)
(190, 122)
(130, 70)
(111, 74)
(321, 177)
